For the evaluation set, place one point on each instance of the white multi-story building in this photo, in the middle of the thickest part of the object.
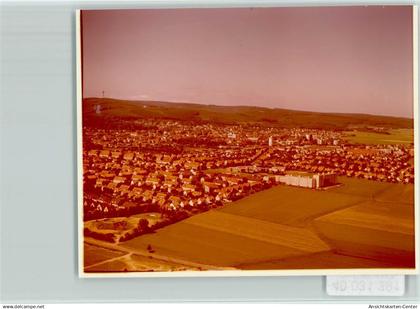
(270, 141)
(304, 180)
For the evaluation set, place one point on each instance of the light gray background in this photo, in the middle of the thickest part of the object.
(38, 175)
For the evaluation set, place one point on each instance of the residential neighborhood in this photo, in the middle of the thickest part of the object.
(181, 167)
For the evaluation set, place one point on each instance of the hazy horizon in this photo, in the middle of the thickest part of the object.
(354, 60)
(259, 106)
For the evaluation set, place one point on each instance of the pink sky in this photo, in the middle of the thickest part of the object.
(329, 59)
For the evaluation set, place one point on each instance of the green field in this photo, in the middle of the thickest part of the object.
(357, 225)
(396, 136)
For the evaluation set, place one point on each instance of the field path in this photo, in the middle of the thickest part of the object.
(109, 260)
(146, 254)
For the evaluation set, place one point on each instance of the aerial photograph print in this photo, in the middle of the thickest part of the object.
(246, 141)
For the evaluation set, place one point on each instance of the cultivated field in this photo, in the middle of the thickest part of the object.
(96, 254)
(222, 239)
(360, 224)
(322, 260)
(395, 136)
(291, 205)
(376, 230)
(132, 262)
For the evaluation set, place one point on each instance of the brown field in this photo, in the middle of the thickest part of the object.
(222, 239)
(291, 205)
(132, 262)
(96, 254)
(365, 188)
(322, 260)
(361, 224)
(374, 230)
(209, 246)
(107, 257)
(394, 136)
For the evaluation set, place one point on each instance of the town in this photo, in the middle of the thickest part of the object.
(179, 169)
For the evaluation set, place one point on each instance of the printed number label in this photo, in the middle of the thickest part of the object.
(365, 285)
